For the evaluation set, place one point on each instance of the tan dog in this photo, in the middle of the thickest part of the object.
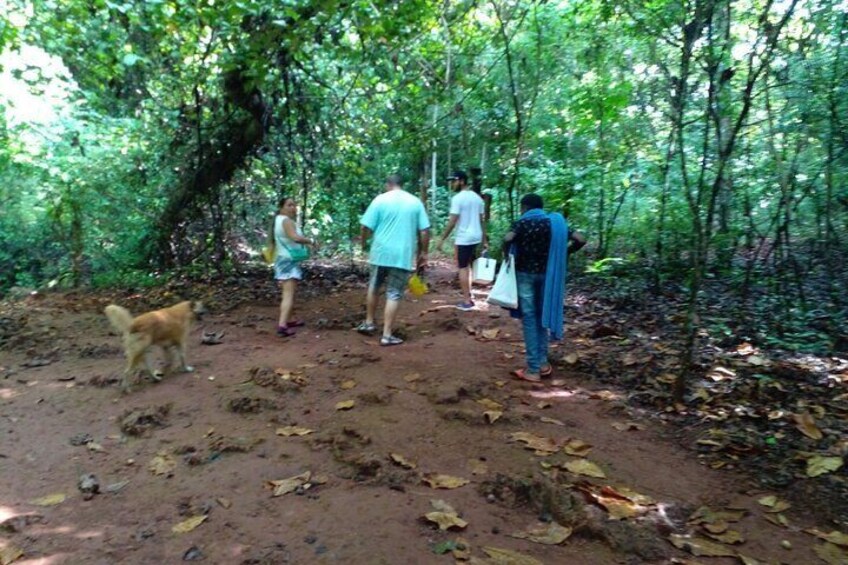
(168, 328)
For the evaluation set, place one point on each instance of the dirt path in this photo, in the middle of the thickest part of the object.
(217, 447)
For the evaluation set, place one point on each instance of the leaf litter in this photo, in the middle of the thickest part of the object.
(301, 482)
(439, 481)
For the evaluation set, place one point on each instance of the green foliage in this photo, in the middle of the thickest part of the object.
(580, 102)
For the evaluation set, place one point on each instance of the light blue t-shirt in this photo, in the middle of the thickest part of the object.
(395, 217)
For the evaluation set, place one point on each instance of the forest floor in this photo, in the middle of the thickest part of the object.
(594, 467)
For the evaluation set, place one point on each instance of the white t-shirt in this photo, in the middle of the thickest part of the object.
(468, 205)
(282, 242)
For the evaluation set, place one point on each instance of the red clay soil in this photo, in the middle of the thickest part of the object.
(216, 430)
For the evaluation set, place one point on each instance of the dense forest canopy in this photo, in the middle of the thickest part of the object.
(691, 141)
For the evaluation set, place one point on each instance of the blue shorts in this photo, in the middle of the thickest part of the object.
(285, 269)
(395, 280)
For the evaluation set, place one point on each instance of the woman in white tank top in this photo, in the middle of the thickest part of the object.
(286, 271)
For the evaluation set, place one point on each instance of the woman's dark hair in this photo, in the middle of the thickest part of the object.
(532, 201)
(283, 201)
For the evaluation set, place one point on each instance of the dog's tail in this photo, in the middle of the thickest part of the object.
(120, 318)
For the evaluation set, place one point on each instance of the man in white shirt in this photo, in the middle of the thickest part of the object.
(467, 212)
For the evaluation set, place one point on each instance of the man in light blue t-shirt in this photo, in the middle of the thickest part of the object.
(401, 233)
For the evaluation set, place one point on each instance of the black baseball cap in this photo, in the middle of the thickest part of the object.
(458, 175)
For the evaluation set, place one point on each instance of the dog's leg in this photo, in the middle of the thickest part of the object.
(134, 355)
(181, 354)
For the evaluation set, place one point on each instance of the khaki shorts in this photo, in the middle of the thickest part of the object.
(395, 280)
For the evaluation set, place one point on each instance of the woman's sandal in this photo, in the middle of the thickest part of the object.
(523, 375)
(285, 331)
(296, 323)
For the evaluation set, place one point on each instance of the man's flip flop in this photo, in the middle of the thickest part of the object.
(548, 372)
(522, 375)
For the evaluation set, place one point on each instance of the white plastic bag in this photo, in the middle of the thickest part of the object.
(505, 291)
(483, 270)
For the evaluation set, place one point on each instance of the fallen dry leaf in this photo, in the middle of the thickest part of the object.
(818, 465)
(498, 556)
(831, 554)
(632, 495)
(571, 358)
(607, 395)
(436, 480)
(553, 421)
(288, 431)
(705, 515)
(94, 446)
(749, 560)
(492, 416)
(540, 445)
(577, 448)
(478, 467)
(412, 377)
(188, 525)
(399, 459)
(619, 509)
(549, 534)
(774, 504)
(835, 537)
(10, 554)
(768, 500)
(446, 520)
(716, 527)
(756, 361)
(224, 502)
(700, 547)
(490, 404)
(162, 464)
(729, 537)
(583, 467)
(490, 334)
(345, 404)
(541, 405)
(49, 500)
(806, 424)
(348, 384)
(619, 502)
(285, 486)
(777, 519)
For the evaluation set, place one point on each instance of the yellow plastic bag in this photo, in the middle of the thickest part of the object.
(417, 286)
(268, 253)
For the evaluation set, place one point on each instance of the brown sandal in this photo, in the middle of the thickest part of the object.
(522, 375)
